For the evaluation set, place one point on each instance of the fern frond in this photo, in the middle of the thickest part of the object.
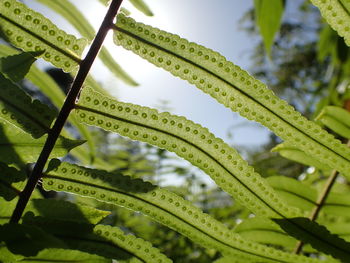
(188, 140)
(161, 205)
(78, 20)
(231, 86)
(18, 147)
(336, 13)
(18, 108)
(31, 31)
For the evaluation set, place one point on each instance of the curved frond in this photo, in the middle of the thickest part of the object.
(103, 240)
(231, 86)
(188, 140)
(161, 205)
(31, 31)
(78, 20)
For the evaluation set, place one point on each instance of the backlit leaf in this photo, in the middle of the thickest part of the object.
(31, 31)
(18, 108)
(161, 205)
(233, 87)
(20, 148)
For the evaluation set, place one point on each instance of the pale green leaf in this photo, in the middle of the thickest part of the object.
(31, 31)
(293, 153)
(142, 6)
(189, 141)
(18, 108)
(337, 119)
(77, 19)
(264, 231)
(337, 15)
(161, 205)
(297, 194)
(17, 66)
(268, 15)
(233, 87)
(198, 146)
(20, 148)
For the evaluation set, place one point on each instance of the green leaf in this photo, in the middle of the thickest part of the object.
(337, 119)
(293, 153)
(77, 19)
(195, 144)
(19, 147)
(31, 31)
(268, 15)
(103, 240)
(264, 231)
(233, 87)
(17, 66)
(297, 194)
(161, 205)
(66, 211)
(18, 108)
(27, 240)
(189, 141)
(334, 11)
(64, 256)
(142, 6)
(11, 182)
(339, 249)
(49, 87)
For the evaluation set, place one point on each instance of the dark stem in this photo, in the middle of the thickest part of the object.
(320, 202)
(67, 107)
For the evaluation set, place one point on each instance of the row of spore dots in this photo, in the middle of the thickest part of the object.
(153, 139)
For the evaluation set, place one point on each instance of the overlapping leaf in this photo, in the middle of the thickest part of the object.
(295, 154)
(15, 67)
(18, 108)
(73, 15)
(162, 205)
(337, 119)
(231, 86)
(11, 182)
(49, 87)
(31, 31)
(20, 148)
(103, 240)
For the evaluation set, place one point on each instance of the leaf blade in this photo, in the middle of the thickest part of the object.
(37, 33)
(231, 86)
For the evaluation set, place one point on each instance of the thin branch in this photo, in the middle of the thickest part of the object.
(320, 202)
(67, 107)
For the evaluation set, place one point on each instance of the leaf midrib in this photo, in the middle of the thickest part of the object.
(226, 82)
(47, 175)
(216, 161)
(50, 44)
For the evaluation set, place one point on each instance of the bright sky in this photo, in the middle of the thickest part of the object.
(213, 24)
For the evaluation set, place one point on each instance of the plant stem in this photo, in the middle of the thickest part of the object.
(320, 202)
(67, 107)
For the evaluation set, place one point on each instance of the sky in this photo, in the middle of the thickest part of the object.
(214, 24)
